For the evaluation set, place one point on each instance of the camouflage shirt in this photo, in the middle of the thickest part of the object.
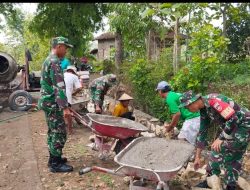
(99, 88)
(225, 113)
(52, 85)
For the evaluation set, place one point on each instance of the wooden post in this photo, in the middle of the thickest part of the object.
(176, 49)
(118, 50)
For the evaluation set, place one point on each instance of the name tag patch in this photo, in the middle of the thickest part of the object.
(223, 108)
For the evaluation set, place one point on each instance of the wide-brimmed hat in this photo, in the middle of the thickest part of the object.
(188, 98)
(125, 97)
(72, 67)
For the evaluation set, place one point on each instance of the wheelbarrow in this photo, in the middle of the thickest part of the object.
(110, 126)
(80, 102)
(153, 159)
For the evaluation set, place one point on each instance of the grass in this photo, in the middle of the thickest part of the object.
(108, 180)
(80, 149)
(242, 80)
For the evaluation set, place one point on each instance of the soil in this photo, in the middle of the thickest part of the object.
(118, 122)
(158, 154)
(24, 158)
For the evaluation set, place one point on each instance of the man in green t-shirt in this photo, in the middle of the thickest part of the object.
(191, 123)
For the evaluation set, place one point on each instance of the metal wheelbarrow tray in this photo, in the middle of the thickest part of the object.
(155, 159)
(115, 127)
(79, 102)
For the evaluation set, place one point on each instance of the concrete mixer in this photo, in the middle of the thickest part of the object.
(16, 82)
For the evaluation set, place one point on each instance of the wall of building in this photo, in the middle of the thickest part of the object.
(104, 47)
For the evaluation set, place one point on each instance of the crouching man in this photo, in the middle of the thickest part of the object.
(231, 143)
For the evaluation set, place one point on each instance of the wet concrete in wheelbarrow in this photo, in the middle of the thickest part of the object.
(157, 154)
(117, 122)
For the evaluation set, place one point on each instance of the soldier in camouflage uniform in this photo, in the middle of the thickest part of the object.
(99, 87)
(54, 103)
(231, 143)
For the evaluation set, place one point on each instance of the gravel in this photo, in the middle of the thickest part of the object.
(117, 121)
(157, 154)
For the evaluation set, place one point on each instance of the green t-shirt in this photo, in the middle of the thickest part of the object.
(173, 102)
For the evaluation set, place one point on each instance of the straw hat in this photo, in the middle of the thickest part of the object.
(125, 97)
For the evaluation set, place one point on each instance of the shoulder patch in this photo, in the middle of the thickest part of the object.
(223, 108)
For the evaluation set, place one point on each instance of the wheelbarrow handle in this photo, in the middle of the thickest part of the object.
(78, 116)
(100, 169)
(85, 170)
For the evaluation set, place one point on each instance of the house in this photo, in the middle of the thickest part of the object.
(106, 42)
(154, 44)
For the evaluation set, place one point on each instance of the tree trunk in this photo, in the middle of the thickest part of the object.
(224, 19)
(118, 50)
(187, 40)
(150, 44)
(176, 49)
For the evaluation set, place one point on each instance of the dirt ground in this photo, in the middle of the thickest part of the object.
(24, 157)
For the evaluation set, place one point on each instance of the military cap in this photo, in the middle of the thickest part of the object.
(188, 98)
(60, 40)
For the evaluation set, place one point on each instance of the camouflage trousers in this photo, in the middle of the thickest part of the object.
(57, 135)
(230, 157)
(97, 96)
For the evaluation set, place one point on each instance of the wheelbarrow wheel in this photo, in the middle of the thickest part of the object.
(20, 100)
(121, 144)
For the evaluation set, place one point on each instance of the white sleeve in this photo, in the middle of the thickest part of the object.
(77, 83)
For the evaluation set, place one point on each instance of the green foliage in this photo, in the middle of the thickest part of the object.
(8, 11)
(15, 23)
(19, 40)
(108, 66)
(242, 80)
(229, 71)
(207, 48)
(76, 21)
(142, 76)
(238, 92)
(238, 25)
(126, 17)
(97, 66)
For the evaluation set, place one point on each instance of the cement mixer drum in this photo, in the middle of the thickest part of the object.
(8, 68)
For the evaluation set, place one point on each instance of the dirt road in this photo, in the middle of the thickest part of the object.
(17, 157)
(24, 157)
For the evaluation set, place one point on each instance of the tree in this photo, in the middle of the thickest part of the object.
(125, 19)
(20, 38)
(170, 12)
(8, 11)
(237, 30)
(77, 21)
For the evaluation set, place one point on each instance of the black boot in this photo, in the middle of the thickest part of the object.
(230, 187)
(58, 166)
(63, 160)
(203, 184)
